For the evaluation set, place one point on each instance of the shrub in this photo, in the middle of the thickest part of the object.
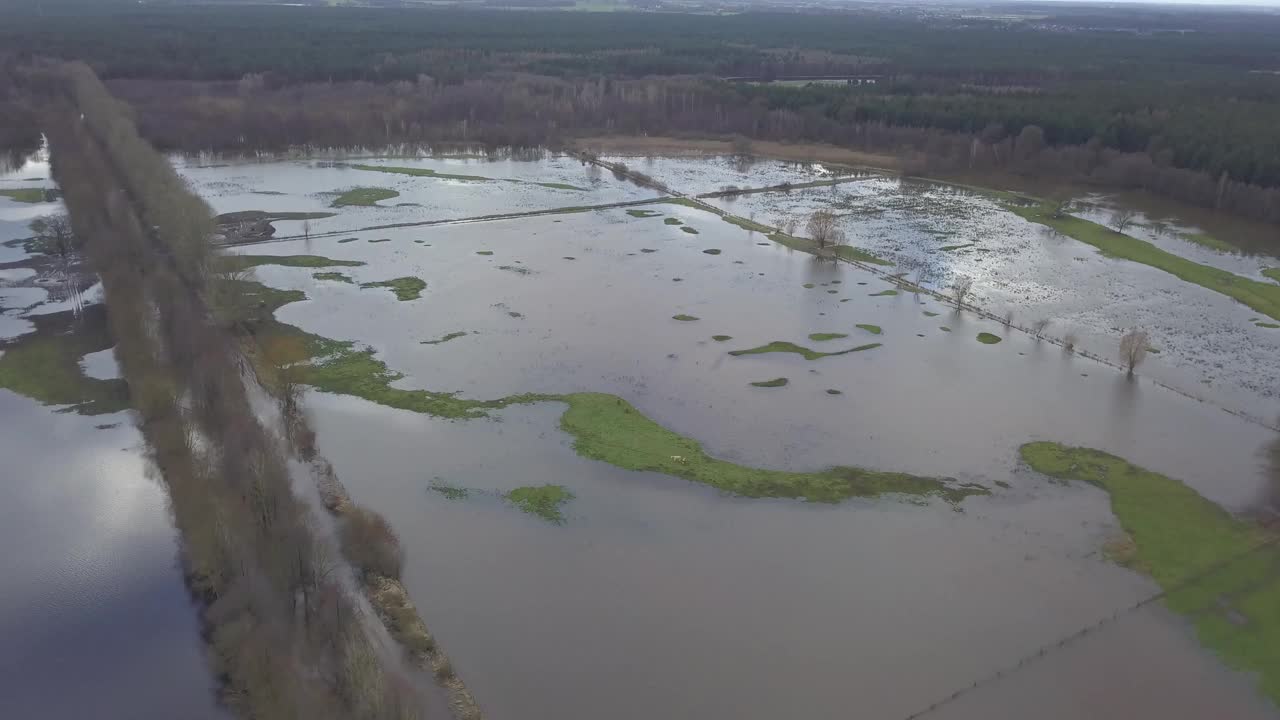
(371, 545)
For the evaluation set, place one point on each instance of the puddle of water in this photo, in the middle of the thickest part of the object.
(101, 365)
(95, 617)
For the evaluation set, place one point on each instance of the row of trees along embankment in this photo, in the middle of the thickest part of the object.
(287, 636)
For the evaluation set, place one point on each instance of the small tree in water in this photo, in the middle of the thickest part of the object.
(822, 228)
(1121, 219)
(1133, 348)
(961, 286)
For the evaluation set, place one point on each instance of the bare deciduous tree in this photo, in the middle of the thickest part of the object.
(1133, 348)
(306, 229)
(1069, 342)
(823, 228)
(1038, 327)
(1008, 318)
(961, 286)
(1121, 219)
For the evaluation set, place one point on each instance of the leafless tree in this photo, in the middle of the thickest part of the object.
(1039, 327)
(54, 236)
(823, 228)
(1060, 208)
(961, 286)
(1133, 348)
(306, 229)
(1069, 342)
(1008, 318)
(1121, 219)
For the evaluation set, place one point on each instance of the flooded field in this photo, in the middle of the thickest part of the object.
(642, 595)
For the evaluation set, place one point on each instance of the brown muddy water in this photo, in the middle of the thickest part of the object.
(662, 598)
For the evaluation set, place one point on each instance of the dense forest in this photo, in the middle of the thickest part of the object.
(1165, 90)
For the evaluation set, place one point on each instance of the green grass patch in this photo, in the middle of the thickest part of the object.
(823, 337)
(545, 501)
(45, 366)
(333, 277)
(445, 338)
(1273, 273)
(1221, 572)
(776, 382)
(884, 293)
(808, 286)
(988, 339)
(364, 196)
(1209, 241)
(379, 240)
(29, 195)
(873, 329)
(782, 346)
(233, 263)
(608, 428)
(953, 248)
(405, 288)
(721, 338)
(688, 229)
(944, 328)
(712, 251)
(1263, 297)
(1269, 326)
(673, 221)
(684, 318)
(643, 213)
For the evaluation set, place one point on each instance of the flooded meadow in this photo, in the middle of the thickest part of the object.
(630, 593)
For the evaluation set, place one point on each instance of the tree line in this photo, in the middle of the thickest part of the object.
(287, 636)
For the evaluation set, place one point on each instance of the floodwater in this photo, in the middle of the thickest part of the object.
(95, 618)
(663, 598)
(1209, 345)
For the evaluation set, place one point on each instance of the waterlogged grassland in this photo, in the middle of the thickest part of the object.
(776, 382)
(545, 501)
(823, 337)
(1273, 273)
(782, 346)
(987, 338)
(405, 288)
(1223, 573)
(429, 173)
(45, 366)
(1209, 241)
(26, 195)
(233, 263)
(1261, 296)
(608, 428)
(873, 329)
(364, 196)
(333, 277)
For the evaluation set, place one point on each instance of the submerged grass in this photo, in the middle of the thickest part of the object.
(26, 195)
(684, 318)
(233, 263)
(884, 293)
(673, 221)
(333, 277)
(635, 213)
(405, 288)
(364, 196)
(721, 338)
(873, 329)
(1209, 241)
(1263, 297)
(691, 231)
(1273, 273)
(545, 501)
(782, 346)
(46, 368)
(445, 338)
(608, 428)
(776, 382)
(1221, 572)
(823, 337)
(988, 339)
